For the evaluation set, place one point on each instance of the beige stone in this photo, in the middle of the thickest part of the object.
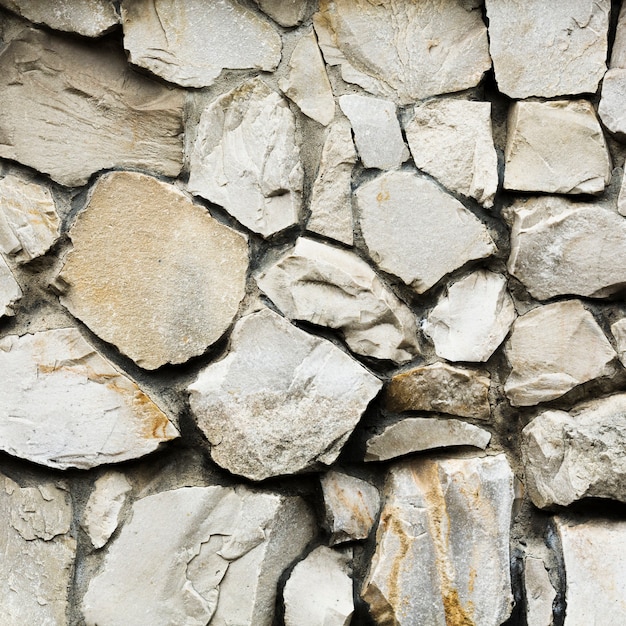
(10, 291)
(539, 592)
(611, 108)
(618, 329)
(621, 198)
(618, 52)
(284, 12)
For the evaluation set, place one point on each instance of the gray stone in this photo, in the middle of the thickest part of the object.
(618, 329)
(539, 592)
(611, 108)
(621, 198)
(618, 52)
(10, 291)
(285, 12)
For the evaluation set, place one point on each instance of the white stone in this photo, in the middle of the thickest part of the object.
(331, 287)
(246, 159)
(282, 401)
(621, 199)
(285, 12)
(10, 291)
(611, 108)
(539, 593)
(618, 52)
(63, 405)
(618, 329)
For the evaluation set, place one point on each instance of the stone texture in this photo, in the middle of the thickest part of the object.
(618, 52)
(405, 51)
(442, 553)
(552, 349)
(611, 108)
(86, 110)
(10, 291)
(281, 401)
(417, 232)
(555, 147)
(621, 198)
(159, 299)
(63, 405)
(548, 50)
(285, 12)
(618, 329)
(245, 158)
(185, 43)
(331, 287)
(196, 555)
(452, 141)
(539, 592)
(377, 133)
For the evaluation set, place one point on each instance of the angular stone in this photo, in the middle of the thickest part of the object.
(377, 131)
(63, 405)
(555, 147)
(618, 52)
(79, 109)
(196, 555)
(284, 12)
(307, 83)
(282, 401)
(548, 50)
(246, 159)
(472, 319)
(539, 593)
(159, 299)
(442, 545)
(611, 109)
(187, 44)
(552, 349)
(331, 287)
(452, 141)
(10, 291)
(442, 388)
(405, 51)
(618, 329)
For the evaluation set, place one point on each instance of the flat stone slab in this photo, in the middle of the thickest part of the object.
(539, 592)
(610, 109)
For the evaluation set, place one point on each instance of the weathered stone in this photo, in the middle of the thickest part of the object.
(611, 109)
(539, 593)
(63, 405)
(159, 299)
(187, 44)
(405, 51)
(79, 109)
(618, 52)
(307, 83)
(377, 131)
(442, 546)
(245, 158)
(10, 291)
(452, 141)
(552, 349)
(442, 388)
(416, 231)
(618, 329)
(197, 555)
(621, 198)
(284, 12)
(282, 401)
(331, 287)
(548, 50)
(556, 147)
(318, 591)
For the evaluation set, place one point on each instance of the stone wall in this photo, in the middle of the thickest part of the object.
(312, 313)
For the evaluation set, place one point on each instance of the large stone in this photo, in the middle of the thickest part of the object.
(539, 592)
(416, 231)
(442, 546)
(158, 298)
(331, 287)
(246, 159)
(10, 291)
(611, 108)
(552, 349)
(79, 109)
(282, 401)
(187, 44)
(284, 12)
(555, 147)
(405, 51)
(618, 330)
(548, 50)
(196, 555)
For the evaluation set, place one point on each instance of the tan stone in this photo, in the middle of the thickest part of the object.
(611, 107)
(539, 592)
(618, 329)
(10, 291)
(285, 12)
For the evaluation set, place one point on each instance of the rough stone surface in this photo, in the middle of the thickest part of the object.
(10, 291)
(281, 401)
(442, 554)
(284, 12)
(245, 158)
(86, 110)
(539, 592)
(618, 52)
(618, 329)
(331, 287)
(621, 198)
(158, 299)
(611, 109)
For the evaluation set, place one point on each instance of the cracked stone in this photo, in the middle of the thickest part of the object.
(284, 12)
(10, 291)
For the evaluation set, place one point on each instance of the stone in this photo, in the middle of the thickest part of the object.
(327, 286)
(472, 319)
(377, 131)
(318, 591)
(416, 231)
(284, 12)
(64, 405)
(611, 109)
(405, 51)
(618, 52)
(86, 110)
(442, 388)
(331, 195)
(452, 141)
(281, 402)
(442, 545)
(555, 147)
(351, 506)
(307, 83)
(29, 224)
(188, 45)
(196, 555)
(548, 50)
(621, 198)
(539, 592)
(10, 291)
(552, 349)
(159, 299)
(618, 330)
(246, 159)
